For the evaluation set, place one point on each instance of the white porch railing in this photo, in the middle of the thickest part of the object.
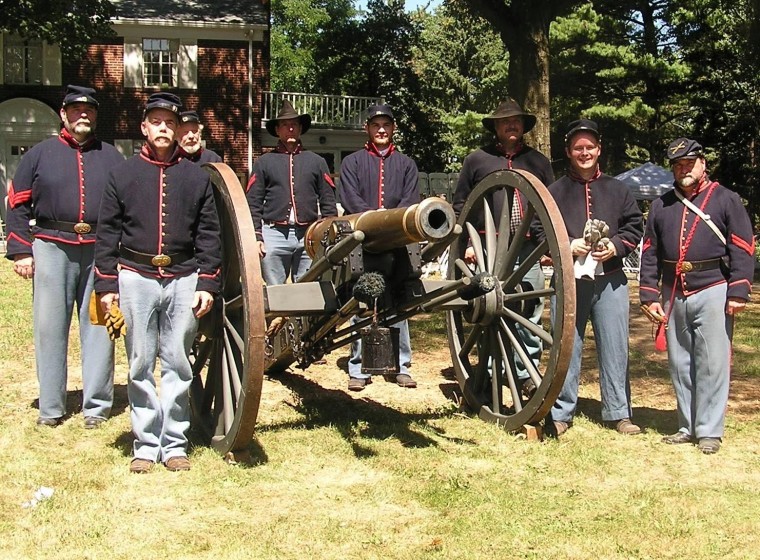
(335, 111)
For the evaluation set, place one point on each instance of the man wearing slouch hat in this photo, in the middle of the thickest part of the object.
(53, 204)
(289, 189)
(508, 150)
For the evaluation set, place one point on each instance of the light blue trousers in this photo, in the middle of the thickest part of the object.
(605, 301)
(63, 279)
(699, 356)
(160, 324)
(404, 351)
(535, 280)
(286, 255)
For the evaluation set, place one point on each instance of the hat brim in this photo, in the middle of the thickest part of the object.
(305, 120)
(529, 122)
(687, 156)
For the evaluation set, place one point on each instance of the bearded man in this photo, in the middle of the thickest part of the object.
(57, 189)
(189, 138)
(697, 263)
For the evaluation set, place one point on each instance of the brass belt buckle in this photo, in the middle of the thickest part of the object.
(82, 227)
(686, 266)
(161, 260)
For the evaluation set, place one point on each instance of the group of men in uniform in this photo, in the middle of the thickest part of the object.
(697, 266)
(144, 235)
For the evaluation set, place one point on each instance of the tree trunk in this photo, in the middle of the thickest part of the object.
(528, 45)
(523, 26)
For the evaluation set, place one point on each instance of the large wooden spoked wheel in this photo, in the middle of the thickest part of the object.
(486, 338)
(225, 401)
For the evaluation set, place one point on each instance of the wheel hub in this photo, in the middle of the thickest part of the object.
(487, 308)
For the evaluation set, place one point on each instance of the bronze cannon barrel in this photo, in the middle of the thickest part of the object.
(431, 220)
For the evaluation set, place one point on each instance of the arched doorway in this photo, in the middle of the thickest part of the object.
(23, 123)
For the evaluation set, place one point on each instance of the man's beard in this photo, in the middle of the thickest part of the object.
(191, 149)
(83, 128)
(687, 182)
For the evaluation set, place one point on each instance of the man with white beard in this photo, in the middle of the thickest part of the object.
(58, 186)
(697, 263)
(189, 139)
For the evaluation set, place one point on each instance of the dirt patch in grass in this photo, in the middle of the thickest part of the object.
(651, 389)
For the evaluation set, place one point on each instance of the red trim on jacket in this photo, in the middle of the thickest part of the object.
(372, 149)
(742, 244)
(16, 199)
(19, 239)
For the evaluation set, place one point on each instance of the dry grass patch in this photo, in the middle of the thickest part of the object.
(384, 474)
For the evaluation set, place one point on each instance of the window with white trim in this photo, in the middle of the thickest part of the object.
(22, 60)
(160, 62)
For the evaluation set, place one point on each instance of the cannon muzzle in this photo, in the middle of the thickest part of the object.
(431, 220)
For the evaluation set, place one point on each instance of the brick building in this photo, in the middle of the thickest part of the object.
(213, 54)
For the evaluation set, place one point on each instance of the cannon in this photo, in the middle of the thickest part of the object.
(256, 329)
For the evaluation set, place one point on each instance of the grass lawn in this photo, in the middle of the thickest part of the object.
(384, 474)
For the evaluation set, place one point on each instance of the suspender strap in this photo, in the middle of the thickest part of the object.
(705, 217)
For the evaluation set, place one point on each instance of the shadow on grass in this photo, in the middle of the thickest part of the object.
(650, 419)
(355, 419)
(74, 402)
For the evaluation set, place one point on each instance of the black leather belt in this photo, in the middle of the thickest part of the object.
(154, 260)
(691, 266)
(70, 227)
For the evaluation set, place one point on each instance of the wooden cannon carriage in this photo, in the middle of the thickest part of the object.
(484, 303)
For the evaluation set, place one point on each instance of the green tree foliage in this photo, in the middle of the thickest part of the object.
(304, 33)
(617, 62)
(462, 65)
(718, 41)
(71, 24)
(325, 46)
(523, 26)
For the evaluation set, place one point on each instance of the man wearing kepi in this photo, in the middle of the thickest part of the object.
(379, 176)
(189, 139)
(59, 184)
(509, 123)
(583, 195)
(699, 244)
(158, 256)
(289, 188)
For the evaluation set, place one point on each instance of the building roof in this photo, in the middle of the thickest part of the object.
(219, 11)
(648, 181)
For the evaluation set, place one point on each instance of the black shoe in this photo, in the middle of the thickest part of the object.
(93, 422)
(49, 422)
(677, 438)
(708, 445)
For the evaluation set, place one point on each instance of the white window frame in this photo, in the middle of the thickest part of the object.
(186, 66)
(50, 59)
(165, 59)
